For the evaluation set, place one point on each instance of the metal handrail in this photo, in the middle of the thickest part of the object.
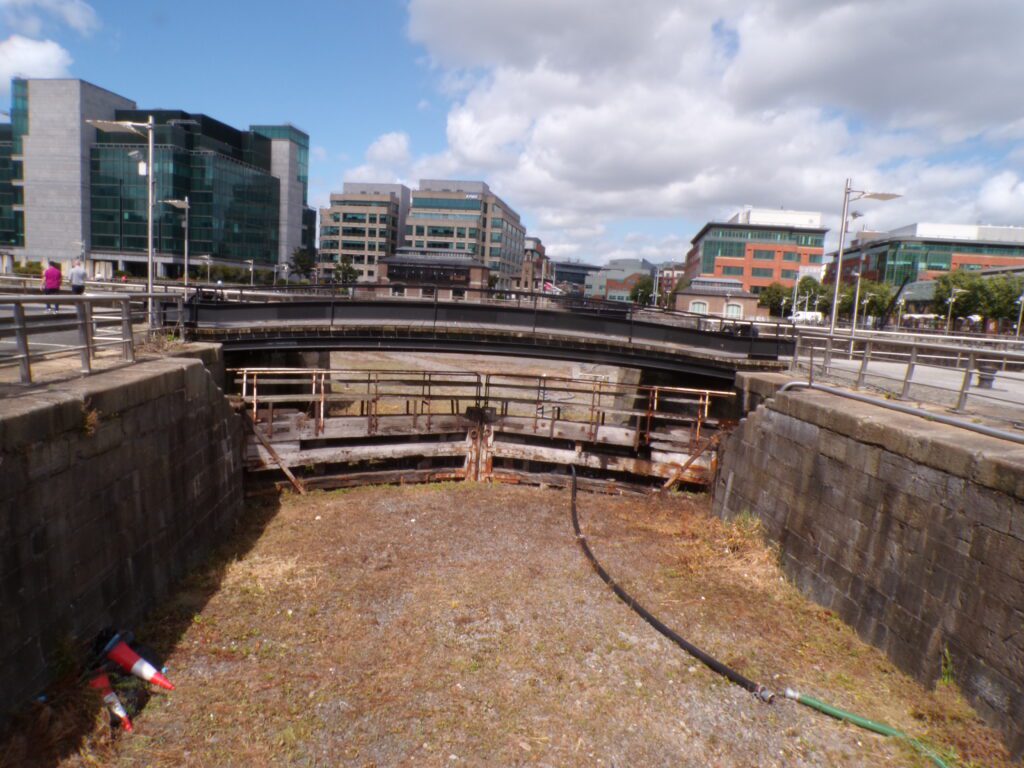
(89, 320)
(983, 361)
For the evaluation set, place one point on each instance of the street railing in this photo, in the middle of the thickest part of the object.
(99, 322)
(981, 361)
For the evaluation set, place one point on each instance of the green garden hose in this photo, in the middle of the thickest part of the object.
(866, 724)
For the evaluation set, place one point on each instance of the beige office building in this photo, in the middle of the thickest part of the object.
(361, 226)
(467, 216)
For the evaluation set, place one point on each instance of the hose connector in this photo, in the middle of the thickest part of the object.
(764, 694)
(791, 694)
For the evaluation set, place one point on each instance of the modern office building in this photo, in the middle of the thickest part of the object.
(289, 162)
(758, 247)
(571, 276)
(538, 274)
(924, 251)
(80, 191)
(467, 216)
(12, 223)
(361, 226)
(616, 280)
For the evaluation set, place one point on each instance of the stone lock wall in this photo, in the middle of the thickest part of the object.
(913, 532)
(111, 488)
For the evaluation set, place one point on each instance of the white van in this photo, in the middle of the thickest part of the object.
(807, 318)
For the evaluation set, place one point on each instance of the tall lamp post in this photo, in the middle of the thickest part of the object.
(140, 129)
(182, 205)
(899, 314)
(848, 196)
(950, 301)
(856, 300)
(864, 307)
(1020, 313)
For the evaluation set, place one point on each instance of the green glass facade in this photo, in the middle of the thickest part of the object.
(233, 198)
(12, 221)
(893, 261)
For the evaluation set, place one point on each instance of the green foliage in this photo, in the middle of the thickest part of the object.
(643, 290)
(30, 268)
(345, 272)
(303, 262)
(948, 676)
(813, 296)
(772, 296)
(994, 297)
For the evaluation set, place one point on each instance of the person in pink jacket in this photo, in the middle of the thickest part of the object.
(51, 284)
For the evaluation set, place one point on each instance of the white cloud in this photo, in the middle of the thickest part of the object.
(29, 17)
(22, 57)
(583, 113)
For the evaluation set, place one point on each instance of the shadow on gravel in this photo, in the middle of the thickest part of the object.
(69, 725)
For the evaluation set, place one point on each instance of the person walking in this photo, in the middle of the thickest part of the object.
(51, 284)
(77, 278)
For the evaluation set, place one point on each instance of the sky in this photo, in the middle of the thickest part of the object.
(614, 129)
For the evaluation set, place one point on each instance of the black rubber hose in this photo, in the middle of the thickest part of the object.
(707, 659)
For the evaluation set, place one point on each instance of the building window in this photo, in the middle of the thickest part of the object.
(789, 274)
(761, 272)
(791, 256)
(815, 258)
(699, 307)
(764, 255)
(734, 310)
(398, 290)
(732, 271)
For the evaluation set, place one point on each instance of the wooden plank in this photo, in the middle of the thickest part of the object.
(270, 449)
(351, 453)
(387, 477)
(589, 459)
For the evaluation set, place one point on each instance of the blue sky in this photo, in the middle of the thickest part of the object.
(614, 130)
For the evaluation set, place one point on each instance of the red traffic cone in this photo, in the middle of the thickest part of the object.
(102, 684)
(122, 654)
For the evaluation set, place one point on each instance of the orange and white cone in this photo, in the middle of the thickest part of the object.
(130, 661)
(102, 684)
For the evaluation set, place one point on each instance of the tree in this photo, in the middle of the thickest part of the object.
(773, 296)
(970, 294)
(1001, 294)
(346, 273)
(642, 291)
(303, 262)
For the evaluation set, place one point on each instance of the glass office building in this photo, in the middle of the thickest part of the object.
(12, 217)
(69, 189)
(224, 172)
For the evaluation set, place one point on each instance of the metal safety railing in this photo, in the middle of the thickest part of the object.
(992, 371)
(29, 332)
(651, 413)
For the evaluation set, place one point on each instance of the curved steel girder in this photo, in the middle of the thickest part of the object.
(626, 355)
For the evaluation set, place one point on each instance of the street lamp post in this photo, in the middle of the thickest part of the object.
(252, 271)
(899, 312)
(856, 300)
(1020, 313)
(864, 307)
(950, 301)
(848, 196)
(184, 206)
(140, 129)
